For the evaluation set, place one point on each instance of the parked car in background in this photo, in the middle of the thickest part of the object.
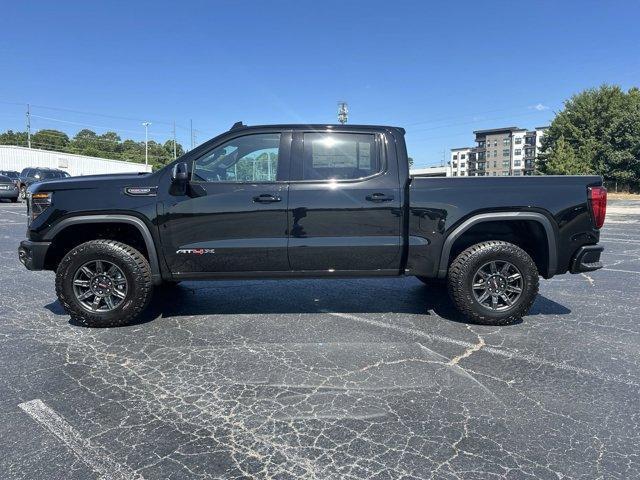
(12, 174)
(33, 175)
(8, 188)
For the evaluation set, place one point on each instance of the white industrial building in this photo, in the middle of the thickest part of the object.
(18, 158)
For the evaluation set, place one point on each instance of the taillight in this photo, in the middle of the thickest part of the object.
(598, 200)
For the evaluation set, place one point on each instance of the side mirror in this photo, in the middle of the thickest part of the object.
(180, 173)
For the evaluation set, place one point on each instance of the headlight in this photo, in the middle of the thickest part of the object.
(39, 202)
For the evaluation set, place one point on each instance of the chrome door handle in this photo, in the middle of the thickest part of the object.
(266, 198)
(379, 197)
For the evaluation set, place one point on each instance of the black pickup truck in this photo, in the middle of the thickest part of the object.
(292, 201)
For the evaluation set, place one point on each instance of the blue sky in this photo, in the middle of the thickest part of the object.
(440, 69)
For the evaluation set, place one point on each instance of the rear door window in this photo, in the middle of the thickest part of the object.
(339, 156)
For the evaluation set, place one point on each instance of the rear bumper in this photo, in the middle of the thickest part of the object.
(32, 254)
(586, 259)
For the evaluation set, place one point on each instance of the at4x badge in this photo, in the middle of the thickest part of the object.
(195, 251)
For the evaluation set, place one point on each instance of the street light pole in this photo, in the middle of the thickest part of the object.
(146, 142)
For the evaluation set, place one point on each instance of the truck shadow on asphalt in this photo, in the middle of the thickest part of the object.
(308, 296)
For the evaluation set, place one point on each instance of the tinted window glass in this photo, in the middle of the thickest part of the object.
(252, 158)
(339, 156)
(5, 179)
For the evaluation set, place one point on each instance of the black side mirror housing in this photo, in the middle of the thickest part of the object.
(180, 173)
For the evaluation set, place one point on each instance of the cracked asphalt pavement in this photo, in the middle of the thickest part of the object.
(362, 379)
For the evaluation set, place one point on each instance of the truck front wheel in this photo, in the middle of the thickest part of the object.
(493, 283)
(104, 283)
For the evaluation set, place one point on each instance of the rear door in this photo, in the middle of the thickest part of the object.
(344, 203)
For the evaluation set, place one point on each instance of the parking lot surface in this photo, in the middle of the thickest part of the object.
(324, 379)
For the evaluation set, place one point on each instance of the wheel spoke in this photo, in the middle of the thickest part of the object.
(99, 267)
(506, 299)
(505, 268)
(494, 302)
(119, 281)
(85, 295)
(514, 289)
(96, 302)
(483, 297)
(109, 301)
(113, 271)
(493, 267)
(87, 271)
(482, 285)
(118, 293)
(81, 283)
(514, 277)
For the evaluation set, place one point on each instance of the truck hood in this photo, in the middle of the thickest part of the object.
(93, 181)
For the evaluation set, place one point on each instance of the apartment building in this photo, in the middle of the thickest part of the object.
(500, 152)
(459, 162)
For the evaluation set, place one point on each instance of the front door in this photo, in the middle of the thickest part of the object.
(344, 204)
(233, 215)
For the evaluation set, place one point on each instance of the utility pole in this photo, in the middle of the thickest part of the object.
(175, 155)
(28, 126)
(191, 126)
(343, 112)
(146, 142)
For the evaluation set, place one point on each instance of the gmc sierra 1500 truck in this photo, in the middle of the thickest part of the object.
(292, 201)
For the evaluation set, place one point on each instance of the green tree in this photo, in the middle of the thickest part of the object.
(563, 161)
(598, 131)
(50, 140)
(13, 138)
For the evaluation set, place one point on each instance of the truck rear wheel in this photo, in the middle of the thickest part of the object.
(104, 283)
(493, 283)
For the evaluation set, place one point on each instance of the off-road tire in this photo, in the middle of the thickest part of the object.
(433, 282)
(133, 264)
(463, 269)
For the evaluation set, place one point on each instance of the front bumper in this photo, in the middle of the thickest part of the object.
(33, 254)
(587, 259)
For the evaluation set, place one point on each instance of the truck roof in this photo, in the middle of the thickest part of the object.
(315, 126)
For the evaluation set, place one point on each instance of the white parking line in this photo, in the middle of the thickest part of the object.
(623, 271)
(90, 454)
(22, 214)
(503, 352)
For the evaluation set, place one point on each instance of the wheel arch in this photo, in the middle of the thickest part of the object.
(539, 219)
(122, 219)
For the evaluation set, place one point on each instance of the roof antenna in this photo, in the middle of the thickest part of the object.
(238, 125)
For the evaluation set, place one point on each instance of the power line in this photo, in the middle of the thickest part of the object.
(86, 124)
(118, 117)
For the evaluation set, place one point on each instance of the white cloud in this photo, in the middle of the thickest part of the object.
(540, 107)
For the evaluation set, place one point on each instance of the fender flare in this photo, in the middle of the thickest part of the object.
(128, 219)
(498, 216)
